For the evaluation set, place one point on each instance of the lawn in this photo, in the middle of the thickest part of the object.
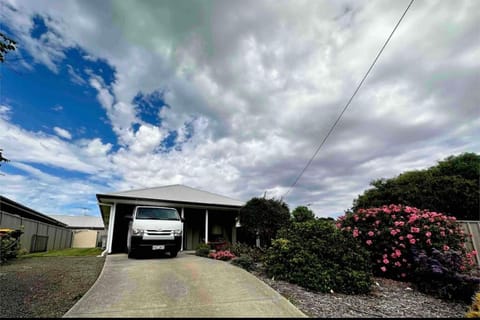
(70, 252)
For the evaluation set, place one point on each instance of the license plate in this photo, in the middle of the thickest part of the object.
(159, 247)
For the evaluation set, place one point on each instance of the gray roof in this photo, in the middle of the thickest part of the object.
(84, 222)
(178, 193)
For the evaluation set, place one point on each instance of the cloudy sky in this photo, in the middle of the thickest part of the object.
(231, 97)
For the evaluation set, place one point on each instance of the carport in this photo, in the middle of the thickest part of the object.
(208, 217)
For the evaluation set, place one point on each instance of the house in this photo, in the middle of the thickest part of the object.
(40, 232)
(208, 217)
(88, 231)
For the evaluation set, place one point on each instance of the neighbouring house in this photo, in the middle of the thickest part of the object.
(208, 217)
(40, 232)
(88, 231)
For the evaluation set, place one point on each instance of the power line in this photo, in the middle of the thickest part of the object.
(350, 100)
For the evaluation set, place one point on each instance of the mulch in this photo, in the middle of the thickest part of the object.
(388, 299)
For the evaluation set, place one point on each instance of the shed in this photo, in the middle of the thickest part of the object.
(88, 231)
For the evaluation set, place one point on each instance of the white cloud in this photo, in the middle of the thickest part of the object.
(258, 84)
(57, 108)
(5, 112)
(62, 133)
(75, 77)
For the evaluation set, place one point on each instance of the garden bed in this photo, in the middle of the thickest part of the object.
(388, 299)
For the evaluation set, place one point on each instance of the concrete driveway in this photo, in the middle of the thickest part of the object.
(185, 286)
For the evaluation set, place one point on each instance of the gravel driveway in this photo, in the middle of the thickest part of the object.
(45, 286)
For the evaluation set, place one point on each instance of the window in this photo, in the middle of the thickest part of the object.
(157, 214)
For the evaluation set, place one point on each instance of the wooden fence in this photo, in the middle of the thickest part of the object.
(473, 228)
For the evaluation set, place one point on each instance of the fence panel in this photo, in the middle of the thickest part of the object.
(39, 243)
(42, 229)
(10, 221)
(29, 230)
(51, 237)
(473, 228)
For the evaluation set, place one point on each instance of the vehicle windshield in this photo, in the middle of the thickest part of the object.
(157, 214)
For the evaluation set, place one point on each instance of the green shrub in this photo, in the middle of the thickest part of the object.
(9, 244)
(242, 250)
(317, 256)
(244, 262)
(202, 250)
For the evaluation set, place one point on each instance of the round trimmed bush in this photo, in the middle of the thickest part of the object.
(317, 256)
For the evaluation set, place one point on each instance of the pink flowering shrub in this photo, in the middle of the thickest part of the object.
(391, 231)
(224, 255)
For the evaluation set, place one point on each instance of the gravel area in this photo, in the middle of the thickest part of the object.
(45, 287)
(388, 299)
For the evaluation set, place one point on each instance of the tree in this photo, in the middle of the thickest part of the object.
(302, 214)
(452, 186)
(264, 217)
(6, 45)
(2, 158)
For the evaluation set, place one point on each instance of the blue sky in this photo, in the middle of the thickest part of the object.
(230, 97)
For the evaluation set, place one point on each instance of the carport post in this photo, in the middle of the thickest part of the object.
(111, 222)
(206, 225)
(183, 217)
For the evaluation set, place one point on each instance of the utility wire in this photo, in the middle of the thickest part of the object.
(349, 101)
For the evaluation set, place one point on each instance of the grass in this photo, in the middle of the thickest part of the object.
(70, 252)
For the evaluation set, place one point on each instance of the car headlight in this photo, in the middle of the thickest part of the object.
(177, 232)
(137, 232)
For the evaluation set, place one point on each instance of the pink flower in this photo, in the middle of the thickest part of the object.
(445, 247)
(412, 241)
(474, 252)
(415, 230)
(371, 233)
(442, 233)
(400, 238)
(385, 261)
(398, 253)
(429, 242)
(383, 269)
(398, 264)
(428, 234)
(393, 232)
(409, 236)
(377, 222)
(369, 242)
(355, 232)
(403, 275)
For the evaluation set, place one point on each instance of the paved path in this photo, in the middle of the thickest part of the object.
(185, 286)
